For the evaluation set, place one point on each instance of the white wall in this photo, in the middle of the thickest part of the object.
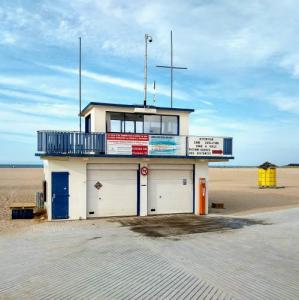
(77, 186)
(77, 179)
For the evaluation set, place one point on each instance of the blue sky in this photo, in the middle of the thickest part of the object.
(242, 77)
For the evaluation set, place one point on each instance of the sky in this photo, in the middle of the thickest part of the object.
(242, 59)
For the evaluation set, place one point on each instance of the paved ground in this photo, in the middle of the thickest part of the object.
(106, 260)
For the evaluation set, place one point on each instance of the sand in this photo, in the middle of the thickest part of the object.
(18, 185)
(235, 187)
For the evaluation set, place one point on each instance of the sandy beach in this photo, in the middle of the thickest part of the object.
(237, 189)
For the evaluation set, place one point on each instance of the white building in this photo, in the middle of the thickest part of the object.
(129, 161)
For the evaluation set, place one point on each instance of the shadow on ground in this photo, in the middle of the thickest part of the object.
(175, 225)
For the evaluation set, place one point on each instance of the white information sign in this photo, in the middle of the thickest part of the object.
(205, 146)
(127, 144)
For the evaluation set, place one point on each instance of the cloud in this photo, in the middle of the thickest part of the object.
(26, 96)
(286, 103)
(6, 80)
(16, 122)
(242, 59)
(117, 28)
(53, 110)
(117, 81)
(7, 38)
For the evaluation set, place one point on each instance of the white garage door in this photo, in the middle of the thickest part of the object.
(170, 189)
(111, 190)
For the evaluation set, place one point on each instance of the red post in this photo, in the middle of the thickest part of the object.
(202, 196)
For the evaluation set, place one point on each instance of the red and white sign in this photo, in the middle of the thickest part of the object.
(126, 137)
(205, 146)
(127, 144)
(144, 171)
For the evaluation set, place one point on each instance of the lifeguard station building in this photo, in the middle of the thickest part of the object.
(131, 160)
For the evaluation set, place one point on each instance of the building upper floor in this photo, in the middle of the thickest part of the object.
(136, 119)
(134, 130)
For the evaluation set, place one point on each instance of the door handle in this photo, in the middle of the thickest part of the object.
(53, 197)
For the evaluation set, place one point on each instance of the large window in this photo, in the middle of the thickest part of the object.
(139, 123)
(116, 122)
(152, 124)
(133, 123)
(169, 124)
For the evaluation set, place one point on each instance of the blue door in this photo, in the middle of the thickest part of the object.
(60, 195)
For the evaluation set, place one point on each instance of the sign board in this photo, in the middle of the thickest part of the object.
(205, 146)
(142, 144)
(127, 144)
(167, 145)
(98, 185)
(144, 171)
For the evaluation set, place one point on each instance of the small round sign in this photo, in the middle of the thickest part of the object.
(144, 171)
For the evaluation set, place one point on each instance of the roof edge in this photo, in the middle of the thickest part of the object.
(90, 104)
(216, 158)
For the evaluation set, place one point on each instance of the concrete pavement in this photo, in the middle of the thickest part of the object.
(99, 259)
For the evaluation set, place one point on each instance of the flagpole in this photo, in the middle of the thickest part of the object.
(80, 100)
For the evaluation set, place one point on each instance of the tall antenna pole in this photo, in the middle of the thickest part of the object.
(171, 68)
(147, 38)
(80, 100)
(145, 71)
(154, 98)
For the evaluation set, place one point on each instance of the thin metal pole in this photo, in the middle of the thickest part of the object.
(145, 71)
(80, 100)
(171, 65)
(154, 98)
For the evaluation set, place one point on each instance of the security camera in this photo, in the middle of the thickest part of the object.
(150, 39)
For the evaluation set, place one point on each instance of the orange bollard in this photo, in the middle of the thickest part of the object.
(202, 196)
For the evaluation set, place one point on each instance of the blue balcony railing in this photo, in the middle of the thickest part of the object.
(62, 142)
(76, 143)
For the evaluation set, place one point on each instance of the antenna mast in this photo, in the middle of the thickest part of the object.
(80, 100)
(171, 67)
(147, 38)
(154, 97)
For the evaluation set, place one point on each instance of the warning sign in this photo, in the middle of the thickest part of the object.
(127, 144)
(205, 146)
(98, 185)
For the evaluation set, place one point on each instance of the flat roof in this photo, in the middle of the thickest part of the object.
(133, 106)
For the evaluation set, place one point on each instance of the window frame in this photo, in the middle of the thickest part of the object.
(123, 123)
(87, 123)
(178, 124)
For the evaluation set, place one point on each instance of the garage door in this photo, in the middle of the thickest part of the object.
(170, 189)
(111, 190)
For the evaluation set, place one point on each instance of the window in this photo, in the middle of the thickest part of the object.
(116, 122)
(139, 123)
(152, 124)
(87, 124)
(133, 123)
(169, 125)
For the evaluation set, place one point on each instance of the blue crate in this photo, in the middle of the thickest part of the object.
(22, 213)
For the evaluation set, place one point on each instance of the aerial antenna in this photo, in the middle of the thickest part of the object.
(171, 67)
(154, 96)
(80, 100)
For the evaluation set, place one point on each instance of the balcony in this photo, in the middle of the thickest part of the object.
(62, 143)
